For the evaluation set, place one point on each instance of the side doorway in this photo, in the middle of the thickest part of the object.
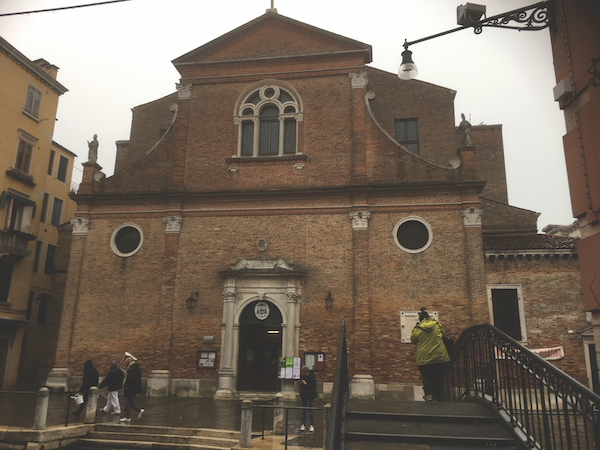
(260, 344)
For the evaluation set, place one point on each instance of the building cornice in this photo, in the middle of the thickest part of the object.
(529, 254)
(31, 67)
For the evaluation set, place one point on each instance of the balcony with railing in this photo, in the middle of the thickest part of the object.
(13, 244)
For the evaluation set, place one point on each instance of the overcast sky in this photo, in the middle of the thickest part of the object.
(117, 56)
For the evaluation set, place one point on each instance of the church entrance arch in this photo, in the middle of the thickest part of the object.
(251, 346)
(259, 347)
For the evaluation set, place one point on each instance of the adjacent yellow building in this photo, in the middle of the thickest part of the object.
(35, 181)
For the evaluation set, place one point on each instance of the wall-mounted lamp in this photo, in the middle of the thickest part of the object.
(530, 18)
(190, 303)
(329, 302)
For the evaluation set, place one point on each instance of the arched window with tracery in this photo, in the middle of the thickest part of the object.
(268, 122)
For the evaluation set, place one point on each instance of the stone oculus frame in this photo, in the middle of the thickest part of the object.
(271, 280)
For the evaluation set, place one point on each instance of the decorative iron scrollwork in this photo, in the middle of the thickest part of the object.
(595, 72)
(531, 18)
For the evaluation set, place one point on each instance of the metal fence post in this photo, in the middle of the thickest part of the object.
(326, 412)
(91, 405)
(246, 427)
(41, 409)
(278, 415)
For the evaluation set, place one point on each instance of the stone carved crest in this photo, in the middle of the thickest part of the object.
(262, 310)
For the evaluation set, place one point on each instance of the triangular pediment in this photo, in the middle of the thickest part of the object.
(272, 36)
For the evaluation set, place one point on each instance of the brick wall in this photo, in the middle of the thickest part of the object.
(137, 304)
(553, 304)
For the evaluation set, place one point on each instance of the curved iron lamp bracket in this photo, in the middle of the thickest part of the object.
(529, 18)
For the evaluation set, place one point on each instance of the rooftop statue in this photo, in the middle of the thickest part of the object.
(465, 132)
(93, 150)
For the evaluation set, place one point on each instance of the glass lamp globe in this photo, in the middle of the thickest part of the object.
(408, 69)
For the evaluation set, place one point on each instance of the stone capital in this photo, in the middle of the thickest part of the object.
(228, 297)
(293, 297)
(173, 223)
(472, 217)
(81, 226)
(184, 91)
(359, 79)
(360, 220)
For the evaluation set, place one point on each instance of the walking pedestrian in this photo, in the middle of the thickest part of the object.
(308, 393)
(114, 382)
(432, 355)
(132, 387)
(90, 378)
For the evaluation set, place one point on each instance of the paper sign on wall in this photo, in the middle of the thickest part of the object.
(408, 320)
(289, 368)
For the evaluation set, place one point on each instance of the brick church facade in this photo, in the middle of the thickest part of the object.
(283, 170)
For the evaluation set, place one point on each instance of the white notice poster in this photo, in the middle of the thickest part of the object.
(297, 367)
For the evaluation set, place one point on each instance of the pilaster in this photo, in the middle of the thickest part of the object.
(168, 300)
(362, 384)
(359, 83)
(476, 281)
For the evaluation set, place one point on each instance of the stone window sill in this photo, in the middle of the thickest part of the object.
(20, 175)
(261, 159)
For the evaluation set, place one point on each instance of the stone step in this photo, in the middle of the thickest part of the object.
(443, 425)
(360, 445)
(113, 444)
(164, 438)
(449, 430)
(423, 418)
(124, 436)
(149, 430)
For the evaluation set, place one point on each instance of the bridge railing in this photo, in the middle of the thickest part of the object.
(547, 408)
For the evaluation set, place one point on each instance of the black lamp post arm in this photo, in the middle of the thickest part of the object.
(529, 18)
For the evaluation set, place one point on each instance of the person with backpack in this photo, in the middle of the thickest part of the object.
(432, 355)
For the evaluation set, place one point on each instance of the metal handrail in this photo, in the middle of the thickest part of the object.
(339, 396)
(286, 408)
(547, 408)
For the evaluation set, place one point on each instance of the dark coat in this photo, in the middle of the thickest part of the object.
(113, 380)
(133, 383)
(308, 391)
(90, 377)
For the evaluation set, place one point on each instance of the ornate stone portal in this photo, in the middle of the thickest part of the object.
(270, 280)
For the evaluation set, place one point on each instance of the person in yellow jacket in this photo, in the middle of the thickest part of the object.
(432, 355)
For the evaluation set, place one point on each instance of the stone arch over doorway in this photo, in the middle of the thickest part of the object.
(248, 283)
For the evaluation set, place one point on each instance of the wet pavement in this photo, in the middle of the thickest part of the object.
(17, 409)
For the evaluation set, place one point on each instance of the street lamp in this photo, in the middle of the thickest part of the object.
(329, 302)
(529, 18)
(190, 303)
(408, 69)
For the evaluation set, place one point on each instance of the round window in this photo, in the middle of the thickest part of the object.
(127, 240)
(269, 92)
(413, 235)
